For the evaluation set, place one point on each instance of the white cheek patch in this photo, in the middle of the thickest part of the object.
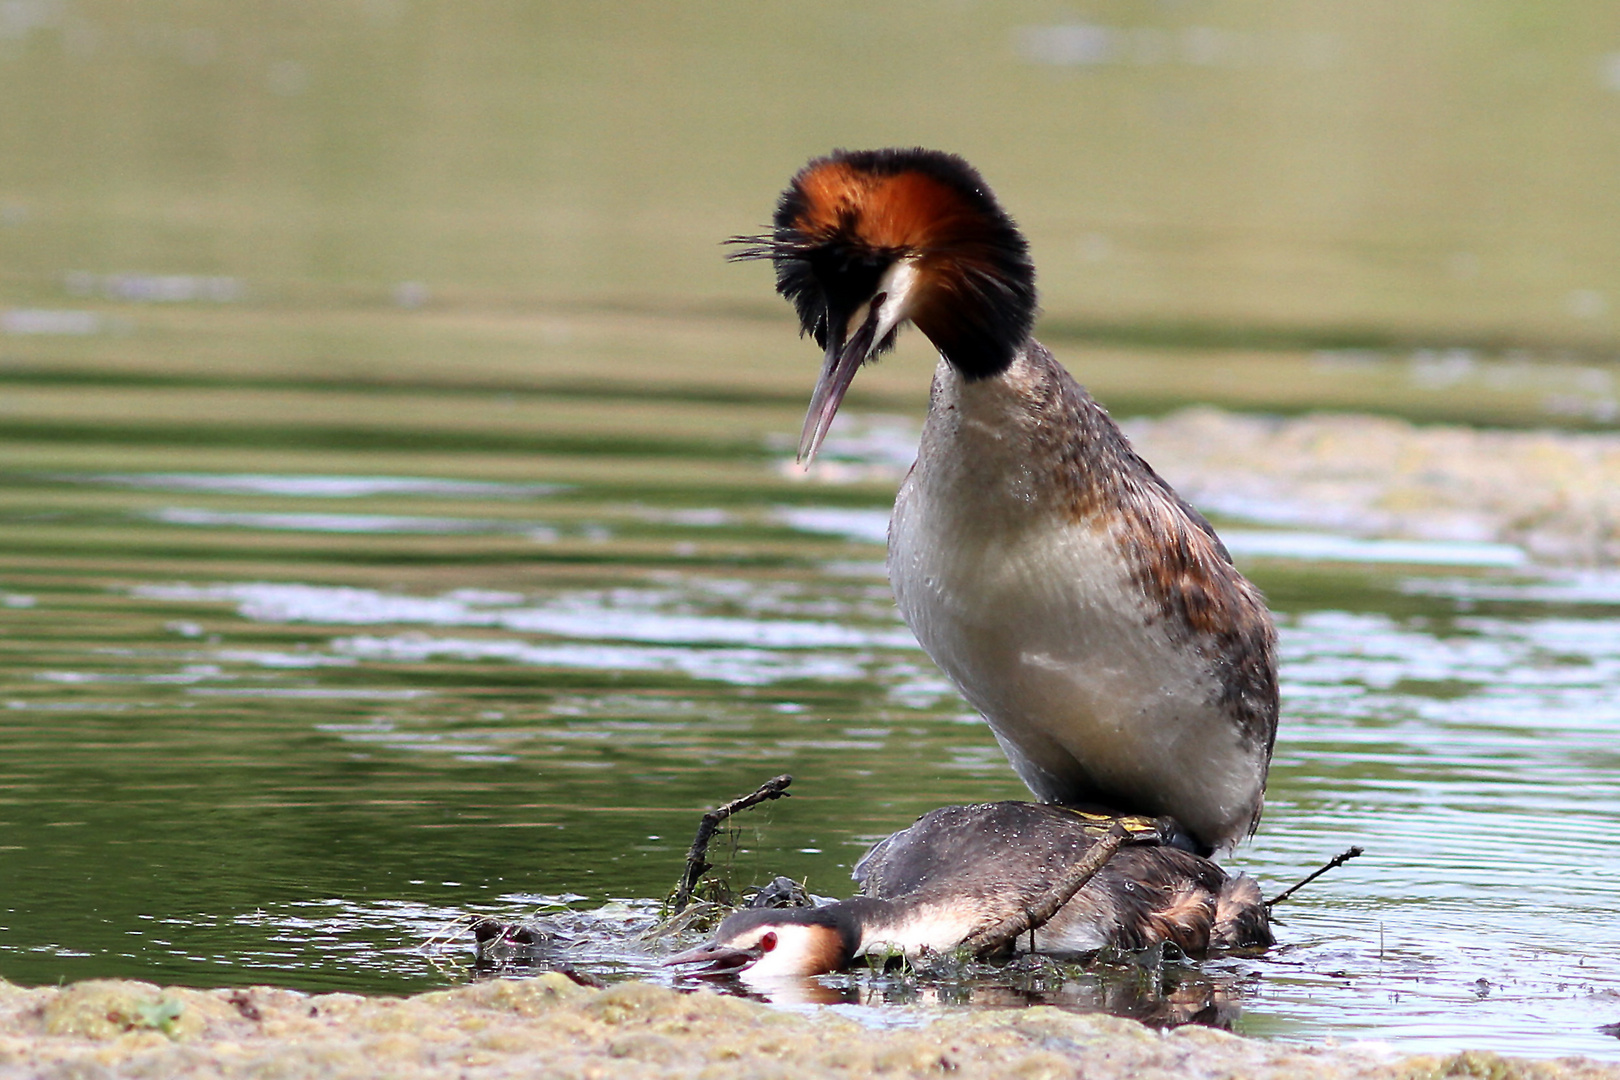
(897, 287)
(894, 297)
(799, 950)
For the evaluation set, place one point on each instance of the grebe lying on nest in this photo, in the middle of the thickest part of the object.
(961, 869)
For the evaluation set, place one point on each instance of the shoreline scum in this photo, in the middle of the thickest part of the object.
(1554, 494)
(548, 1025)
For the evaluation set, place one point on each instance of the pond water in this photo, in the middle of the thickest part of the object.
(304, 665)
(395, 520)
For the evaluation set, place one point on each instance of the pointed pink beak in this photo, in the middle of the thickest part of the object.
(838, 369)
(717, 959)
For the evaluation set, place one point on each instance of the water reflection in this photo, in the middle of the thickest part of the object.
(348, 523)
(1148, 989)
(1156, 986)
(318, 486)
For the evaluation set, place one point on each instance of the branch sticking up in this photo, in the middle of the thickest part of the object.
(991, 938)
(696, 864)
(1338, 860)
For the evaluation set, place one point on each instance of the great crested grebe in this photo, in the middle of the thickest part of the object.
(959, 869)
(1078, 603)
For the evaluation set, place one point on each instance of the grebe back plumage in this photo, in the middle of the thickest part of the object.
(1002, 856)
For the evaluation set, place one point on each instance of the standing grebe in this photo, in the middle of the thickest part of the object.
(962, 868)
(1091, 615)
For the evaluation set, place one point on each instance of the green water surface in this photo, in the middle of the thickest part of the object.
(396, 519)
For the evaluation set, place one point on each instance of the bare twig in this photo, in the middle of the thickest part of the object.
(1338, 860)
(695, 915)
(1096, 857)
(447, 933)
(696, 866)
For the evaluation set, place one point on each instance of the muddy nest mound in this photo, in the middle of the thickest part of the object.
(548, 1026)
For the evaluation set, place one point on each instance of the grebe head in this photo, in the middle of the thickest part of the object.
(864, 241)
(763, 943)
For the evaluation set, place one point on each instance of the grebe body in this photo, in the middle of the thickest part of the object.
(1089, 613)
(988, 859)
(958, 870)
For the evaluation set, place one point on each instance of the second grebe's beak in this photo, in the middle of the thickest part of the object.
(716, 959)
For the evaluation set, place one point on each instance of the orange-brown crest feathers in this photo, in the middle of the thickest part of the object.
(908, 213)
(847, 218)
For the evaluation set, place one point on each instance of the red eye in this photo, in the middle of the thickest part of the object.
(768, 942)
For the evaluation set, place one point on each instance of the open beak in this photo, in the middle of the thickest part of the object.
(849, 346)
(838, 369)
(716, 960)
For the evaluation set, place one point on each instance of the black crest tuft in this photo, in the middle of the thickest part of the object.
(829, 254)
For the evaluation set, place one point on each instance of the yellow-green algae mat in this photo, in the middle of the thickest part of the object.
(548, 1026)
